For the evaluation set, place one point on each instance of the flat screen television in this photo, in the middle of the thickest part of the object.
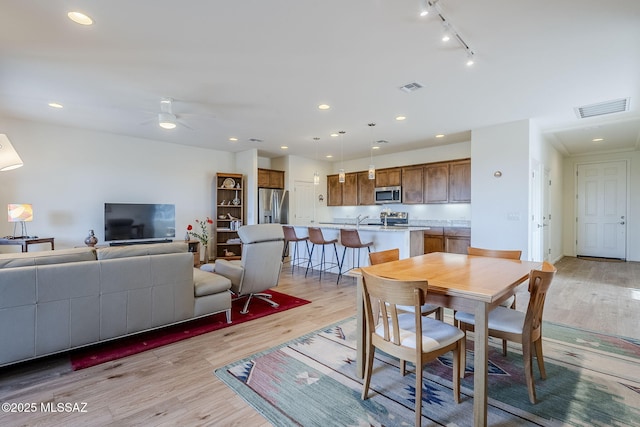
(139, 222)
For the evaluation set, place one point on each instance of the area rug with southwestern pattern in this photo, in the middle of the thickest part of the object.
(592, 380)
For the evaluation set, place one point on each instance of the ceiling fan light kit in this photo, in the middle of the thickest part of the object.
(167, 120)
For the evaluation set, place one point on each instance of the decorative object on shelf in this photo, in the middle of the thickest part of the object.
(237, 185)
(236, 200)
(231, 216)
(203, 235)
(229, 183)
(222, 217)
(228, 253)
(91, 239)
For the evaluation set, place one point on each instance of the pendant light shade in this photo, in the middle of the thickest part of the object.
(372, 168)
(316, 175)
(341, 176)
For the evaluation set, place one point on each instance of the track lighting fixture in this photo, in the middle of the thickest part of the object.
(449, 30)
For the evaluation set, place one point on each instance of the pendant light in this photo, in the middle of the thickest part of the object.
(341, 176)
(372, 168)
(316, 176)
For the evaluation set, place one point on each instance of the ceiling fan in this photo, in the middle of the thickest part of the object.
(166, 118)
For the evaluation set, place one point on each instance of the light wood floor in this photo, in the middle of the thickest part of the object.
(175, 384)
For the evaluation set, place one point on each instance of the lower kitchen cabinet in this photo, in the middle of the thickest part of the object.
(447, 239)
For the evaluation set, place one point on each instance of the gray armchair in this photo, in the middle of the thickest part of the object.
(261, 263)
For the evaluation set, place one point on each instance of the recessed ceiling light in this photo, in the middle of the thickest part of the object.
(375, 147)
(55, 105)
(283, 147)
(80, 18)
(597, 139)
(324, 106)
(334, 134)
(329, 156)
(233, 138)
(401, 118)
(440, 135)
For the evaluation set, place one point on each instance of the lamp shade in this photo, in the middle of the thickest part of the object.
(19, 212)
(9, 158)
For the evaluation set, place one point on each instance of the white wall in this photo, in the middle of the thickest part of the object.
(69, 174)
(247, 164)
(633, 208)
(500, 206)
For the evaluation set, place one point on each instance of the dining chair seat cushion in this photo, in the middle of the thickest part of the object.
(435, 334)
(500, 319)
(508, 302)
(424, 309)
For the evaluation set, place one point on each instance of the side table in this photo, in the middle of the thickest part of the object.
(26, 241)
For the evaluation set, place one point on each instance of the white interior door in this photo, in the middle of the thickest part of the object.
(535, 214)
(602, 209)
(546, 216)
(304, 202)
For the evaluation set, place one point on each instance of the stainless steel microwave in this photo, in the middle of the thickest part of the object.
(388, 195)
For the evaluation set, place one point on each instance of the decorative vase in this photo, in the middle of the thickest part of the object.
(236, 201)
(206, 253)
(91, 239)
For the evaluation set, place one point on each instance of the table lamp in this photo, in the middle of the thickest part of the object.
(9, 158)
(20, 212)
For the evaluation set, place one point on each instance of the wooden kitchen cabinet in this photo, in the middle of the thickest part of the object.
(434, 240)
(350, 190)
(270, 178)
(447, 239)
(366, 188)
(342, 194)
(436, 183)
(457, 239)
(334, 191)
(388, 177)
(412, 185)
(460, 181)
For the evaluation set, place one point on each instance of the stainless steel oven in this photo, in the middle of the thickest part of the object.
(388, 195)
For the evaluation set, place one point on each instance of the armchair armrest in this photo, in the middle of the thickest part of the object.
(231, 271)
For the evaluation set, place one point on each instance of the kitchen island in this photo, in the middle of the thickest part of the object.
(408, 239)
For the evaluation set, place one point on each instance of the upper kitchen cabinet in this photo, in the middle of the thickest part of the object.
(436, 183)
(412, 188)
(342, 194)
(388, 177)
(460, 181)
(366, 188)
(269, 178)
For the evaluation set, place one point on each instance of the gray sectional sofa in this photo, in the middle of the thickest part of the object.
(55, 301)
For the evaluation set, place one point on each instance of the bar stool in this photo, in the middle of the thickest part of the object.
(317, 238)
(350, 239)
(290, 236)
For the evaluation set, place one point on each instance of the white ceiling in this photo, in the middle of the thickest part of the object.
(256, 69)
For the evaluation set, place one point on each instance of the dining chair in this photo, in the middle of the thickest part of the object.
(496, 253)
(407, 336)
(516, 326)
(394, 255)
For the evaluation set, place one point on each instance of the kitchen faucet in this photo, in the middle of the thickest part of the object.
(359, 220)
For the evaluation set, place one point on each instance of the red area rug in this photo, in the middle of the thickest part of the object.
(112, 350)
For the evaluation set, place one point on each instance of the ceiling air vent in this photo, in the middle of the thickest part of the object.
(602, 108)
(411, 87)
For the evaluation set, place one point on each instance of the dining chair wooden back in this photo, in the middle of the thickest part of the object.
(524, 328)
(394, 255)
(384, 256)
(407, 336)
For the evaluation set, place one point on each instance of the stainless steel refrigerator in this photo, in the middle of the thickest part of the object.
(273, 206)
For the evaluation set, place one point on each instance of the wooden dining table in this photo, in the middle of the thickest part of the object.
(473, 284)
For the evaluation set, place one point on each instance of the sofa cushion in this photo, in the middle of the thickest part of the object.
(25, 259)
(126, 251)
(205, 283)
